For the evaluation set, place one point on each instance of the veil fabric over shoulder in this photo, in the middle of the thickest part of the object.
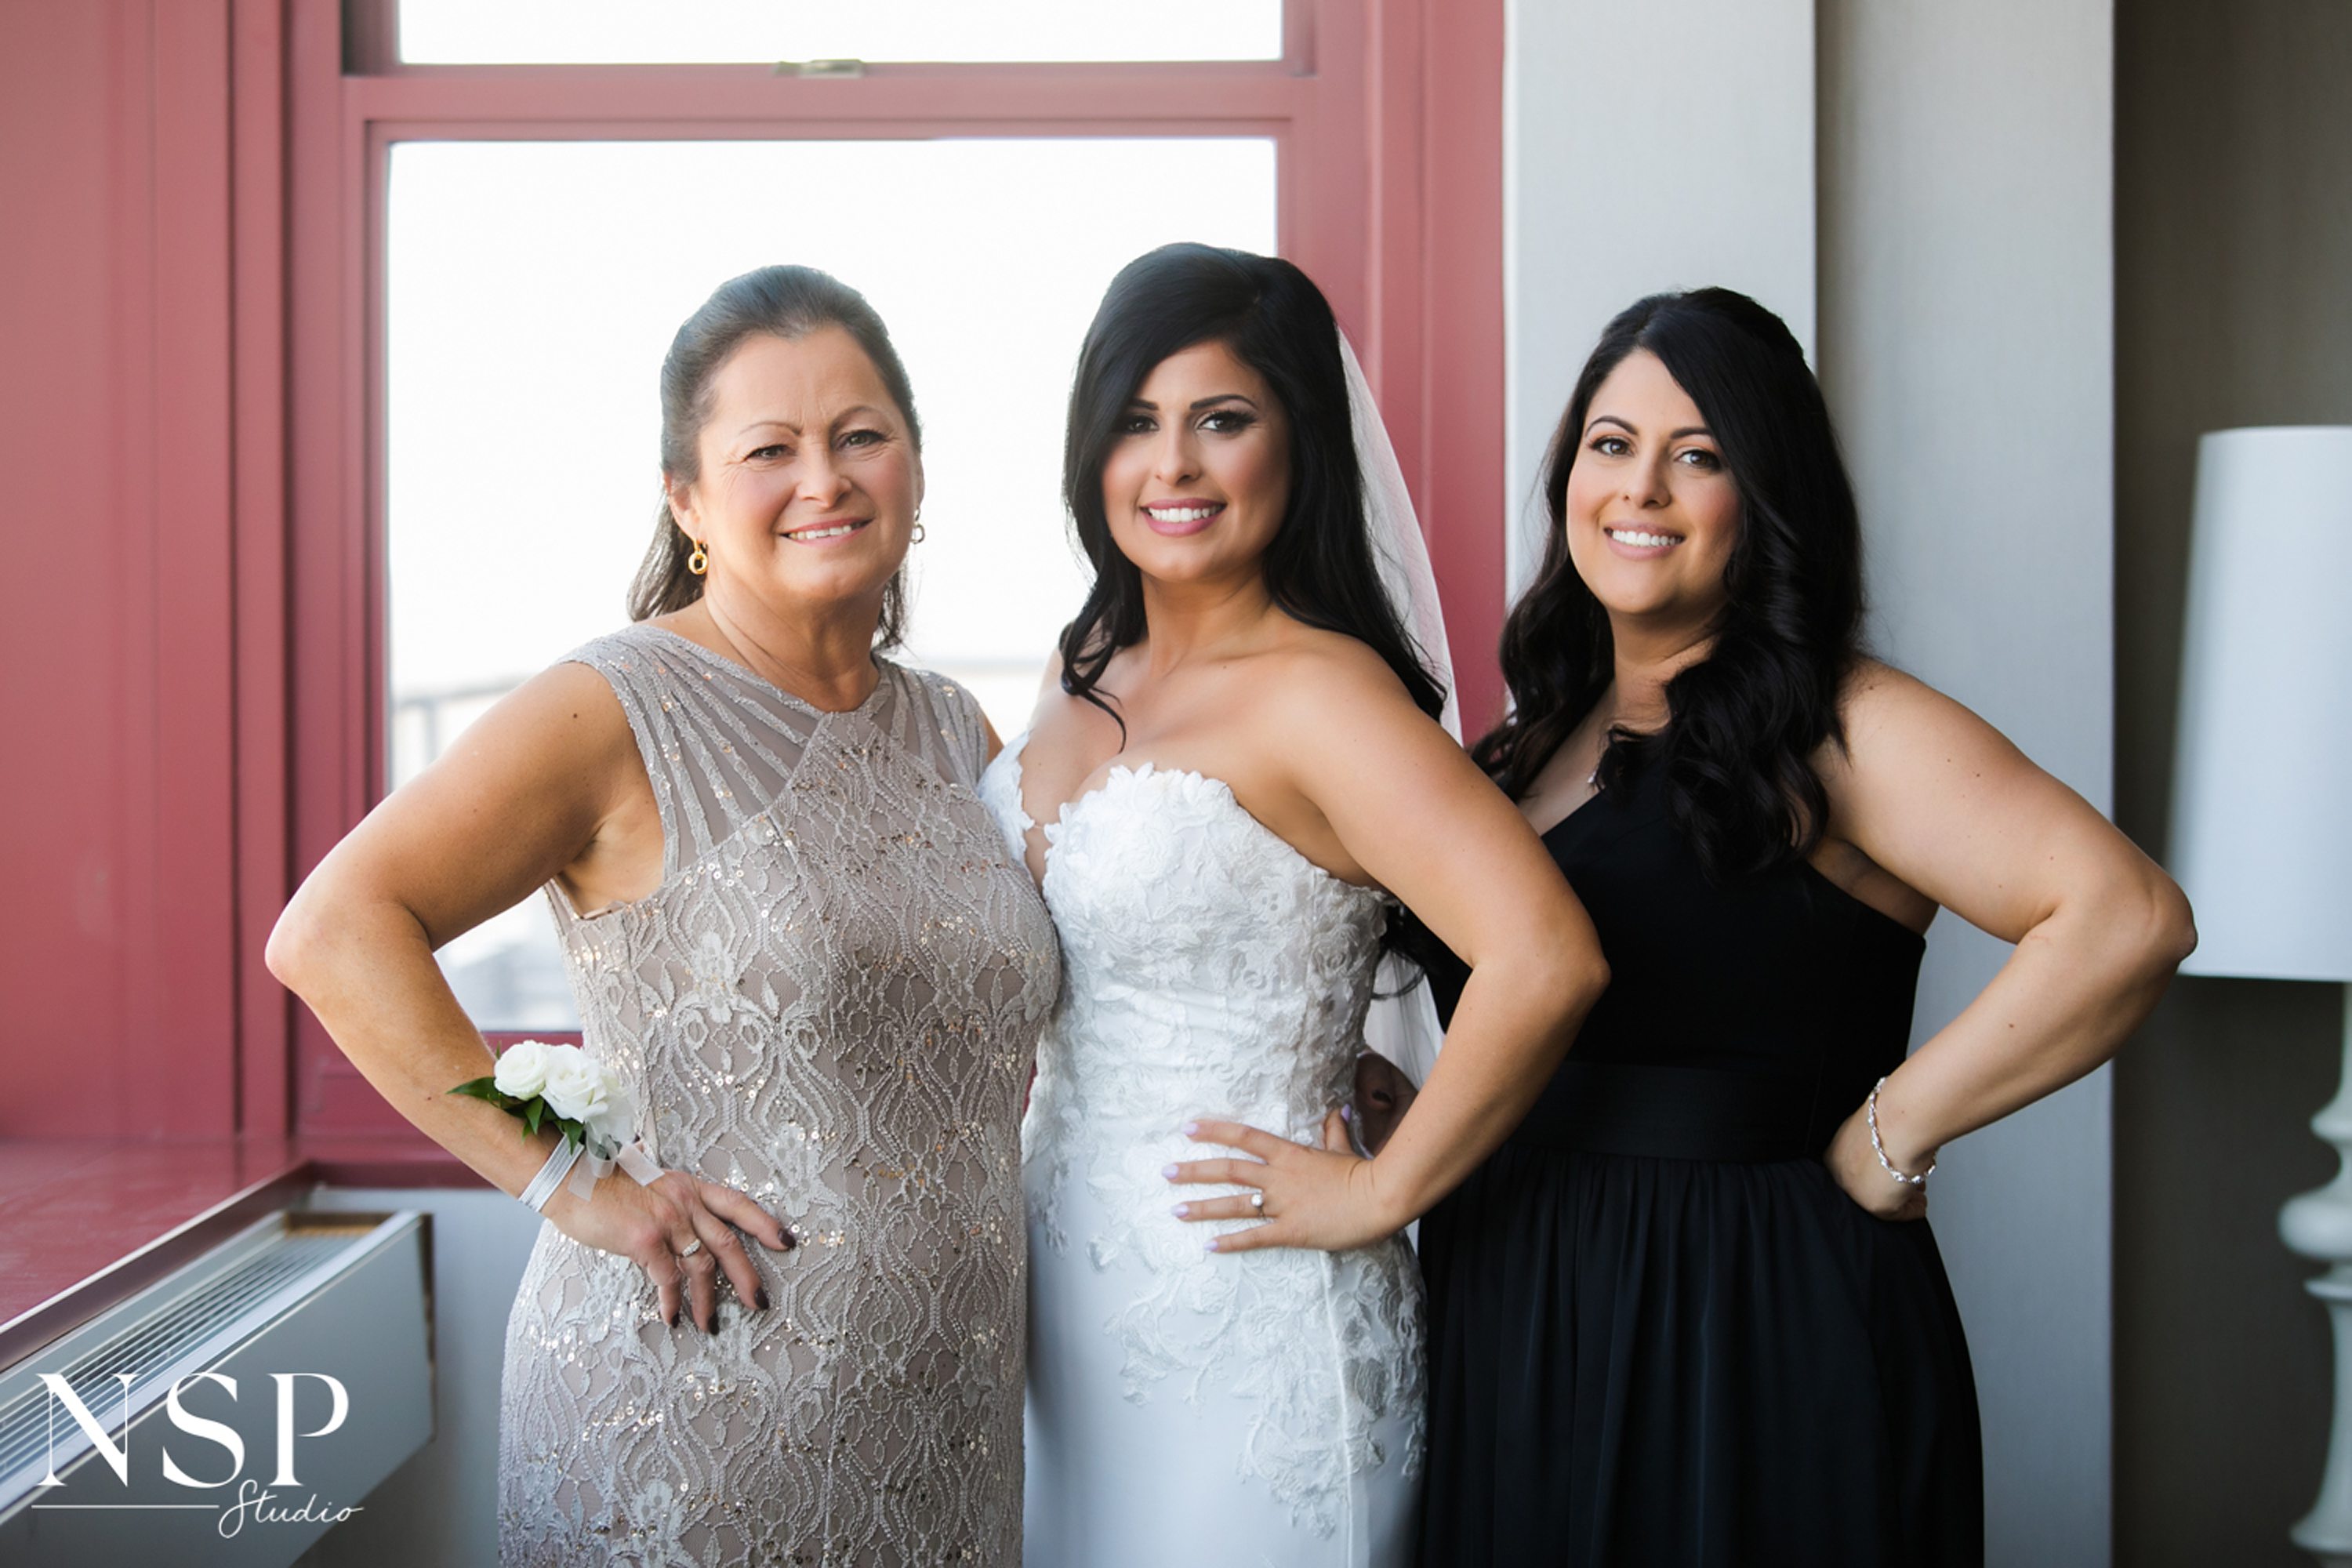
(1403, 1024)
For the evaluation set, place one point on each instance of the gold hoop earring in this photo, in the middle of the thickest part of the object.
(699, 561)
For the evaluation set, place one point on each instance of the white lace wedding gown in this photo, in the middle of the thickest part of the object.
(1186, 1406)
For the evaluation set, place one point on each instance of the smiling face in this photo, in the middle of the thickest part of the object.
(1652, 512)
(809, 480)
(1197, 481)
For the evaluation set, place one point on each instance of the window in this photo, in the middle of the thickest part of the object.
(531, 288)
(483, 203)
(601, 32)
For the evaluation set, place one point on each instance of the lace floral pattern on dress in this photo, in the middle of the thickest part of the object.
(830, 1002)
(1212, 969)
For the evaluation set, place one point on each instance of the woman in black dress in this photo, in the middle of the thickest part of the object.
(1690, 1312)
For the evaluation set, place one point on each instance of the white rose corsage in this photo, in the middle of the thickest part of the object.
(563, 1087)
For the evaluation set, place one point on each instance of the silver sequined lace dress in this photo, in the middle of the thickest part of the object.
(831, 1002)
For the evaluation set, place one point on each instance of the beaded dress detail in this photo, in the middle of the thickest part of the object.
(1259, 1407)
(830, 1003)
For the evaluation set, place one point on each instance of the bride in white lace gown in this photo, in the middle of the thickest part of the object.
(1236, 773)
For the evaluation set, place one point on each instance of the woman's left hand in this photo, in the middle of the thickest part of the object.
(1383, 1094)
(1325, 1198)
(1853, 1165)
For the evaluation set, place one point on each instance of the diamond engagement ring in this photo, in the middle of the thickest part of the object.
(1257, 1201)
(691, 1247)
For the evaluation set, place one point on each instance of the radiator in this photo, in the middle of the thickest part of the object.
(305, 1314)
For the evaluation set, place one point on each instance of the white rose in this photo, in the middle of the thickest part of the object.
(523, 1069)
(577, 1089)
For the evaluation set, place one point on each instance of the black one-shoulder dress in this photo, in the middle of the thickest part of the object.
(1660, 1333)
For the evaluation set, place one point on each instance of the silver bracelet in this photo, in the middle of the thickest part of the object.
(550, 1175)
(1870, 1114)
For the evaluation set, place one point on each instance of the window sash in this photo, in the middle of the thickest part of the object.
(1055, 31)
(1389, 157)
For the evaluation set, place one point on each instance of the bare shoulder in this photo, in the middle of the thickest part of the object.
(1917, 762)
(1052, 701)
(1331, 712)
(562, 731)
(1894, 718)
(1317, 678)
(1875, 693)
(571, 697)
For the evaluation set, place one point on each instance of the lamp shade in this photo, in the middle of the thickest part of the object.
(2261, 812)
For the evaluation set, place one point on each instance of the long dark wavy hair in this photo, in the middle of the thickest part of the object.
(1319, 567)
(1744, 722)
(784, 302)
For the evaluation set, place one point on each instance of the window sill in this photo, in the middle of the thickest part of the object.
(85, 1222)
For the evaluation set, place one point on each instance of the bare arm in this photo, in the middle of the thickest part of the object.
(1936, 796)
(517, 801)
(530, 791)
(1408, 805)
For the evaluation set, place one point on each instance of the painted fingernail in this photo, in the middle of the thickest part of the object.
(672, 1319)
(761, 1296)
(1188, 1129)
(1347, 1113)
(1210, 1245)
(1181, 1210)
(1169, 1172)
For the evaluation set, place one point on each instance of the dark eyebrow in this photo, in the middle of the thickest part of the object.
(1146, 403)
(1671, 436)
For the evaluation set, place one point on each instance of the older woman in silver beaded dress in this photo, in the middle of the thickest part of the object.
(794, 932)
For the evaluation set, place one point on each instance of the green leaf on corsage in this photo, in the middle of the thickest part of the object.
(488, 1088)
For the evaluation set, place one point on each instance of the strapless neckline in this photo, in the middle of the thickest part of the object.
(1120, 776)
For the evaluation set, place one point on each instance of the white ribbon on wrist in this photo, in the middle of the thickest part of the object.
(542, 1187)
(631, 1160)
(584, 1169)
(604, 1151)
(577, 1167)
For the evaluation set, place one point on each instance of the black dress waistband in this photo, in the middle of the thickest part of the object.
(1675, 1113)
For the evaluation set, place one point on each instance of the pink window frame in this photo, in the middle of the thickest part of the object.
(1386, 115)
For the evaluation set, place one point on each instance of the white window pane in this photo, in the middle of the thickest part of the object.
(532, 288)
(622, 32)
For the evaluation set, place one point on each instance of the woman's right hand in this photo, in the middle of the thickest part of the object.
(653, 1225)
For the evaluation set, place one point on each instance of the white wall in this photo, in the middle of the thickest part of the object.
(1664, 147)
(1967, 348)
(441, 1506)
(1940, 179)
